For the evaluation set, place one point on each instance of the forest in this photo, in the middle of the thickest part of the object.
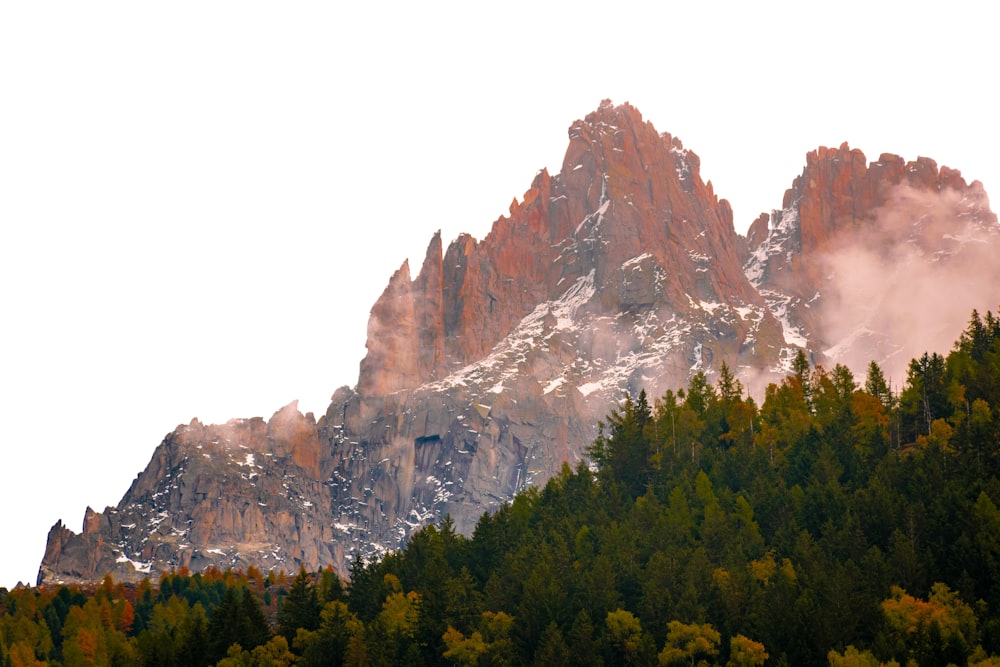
(840, 522)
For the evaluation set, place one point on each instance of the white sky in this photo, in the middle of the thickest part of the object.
(200, 202)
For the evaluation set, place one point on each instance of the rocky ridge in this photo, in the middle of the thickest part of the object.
(490, 368)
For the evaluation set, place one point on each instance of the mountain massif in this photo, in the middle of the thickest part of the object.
(491, 366)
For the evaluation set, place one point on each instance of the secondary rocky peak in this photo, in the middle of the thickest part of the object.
(845, 221)
(839, 191)
(429, 311)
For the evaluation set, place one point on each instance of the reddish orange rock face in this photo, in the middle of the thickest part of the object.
(624, 191)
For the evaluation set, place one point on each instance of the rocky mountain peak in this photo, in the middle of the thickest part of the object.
(625, 190)
(489, 369)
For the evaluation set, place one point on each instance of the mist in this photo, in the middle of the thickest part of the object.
(890, 301)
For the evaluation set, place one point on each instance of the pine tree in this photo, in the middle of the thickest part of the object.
(193, 639)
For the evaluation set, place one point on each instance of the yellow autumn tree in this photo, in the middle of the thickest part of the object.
(852, 657)
(745, 652)
(689, 644)
(924, 629)
(491, 640)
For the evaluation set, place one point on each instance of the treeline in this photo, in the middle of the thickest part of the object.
(839, 523)
(184, 620)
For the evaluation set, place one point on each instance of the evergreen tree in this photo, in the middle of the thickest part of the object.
(330, 586)
(552, 649)
(925, 398)
(584, 648)
(331, 642)
(700, 394)
(300, 608)
(193, 639)
(800, 371)
(876, 385)
(237, 620)
(622, 450)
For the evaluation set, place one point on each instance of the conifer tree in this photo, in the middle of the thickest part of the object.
(800, 371)
(552, 649)
(237, 620)
(300, 608)
(876, 385)
(925, 398)
(622, 451)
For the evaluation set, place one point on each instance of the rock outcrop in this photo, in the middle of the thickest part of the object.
(247, 492)
(490, 368)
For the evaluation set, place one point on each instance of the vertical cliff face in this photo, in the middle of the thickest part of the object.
(489, 369)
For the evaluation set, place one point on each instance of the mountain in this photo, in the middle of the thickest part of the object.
(875, 261)
(492, 366)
